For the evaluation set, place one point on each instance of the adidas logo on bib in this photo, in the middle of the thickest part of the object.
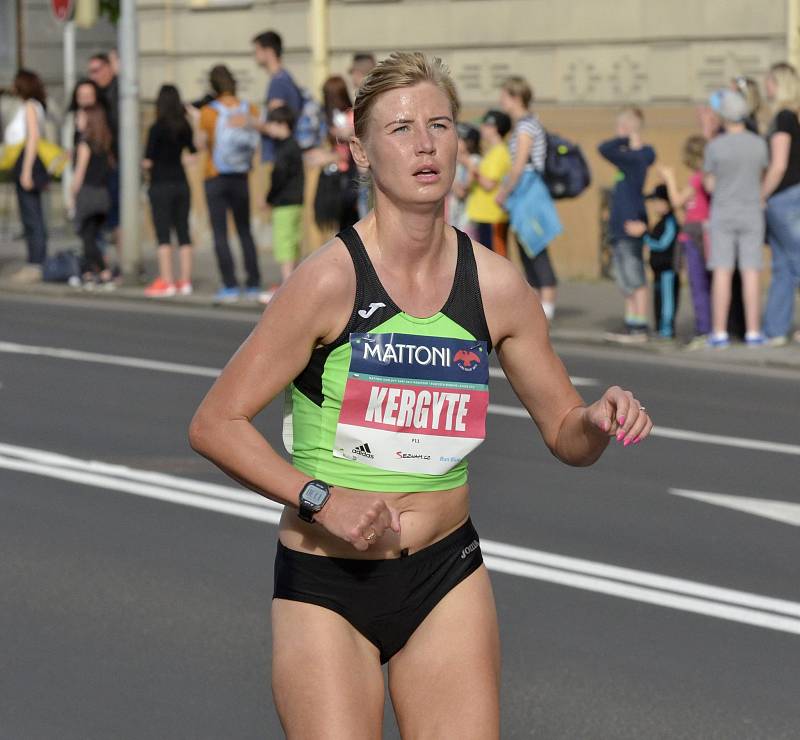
(364, 451)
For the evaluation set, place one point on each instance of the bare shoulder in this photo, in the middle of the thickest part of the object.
(318, 295)
(508, 300)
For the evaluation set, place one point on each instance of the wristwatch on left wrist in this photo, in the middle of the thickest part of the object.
(313, 497)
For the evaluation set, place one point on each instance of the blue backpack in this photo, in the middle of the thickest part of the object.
(234, 146)
(308, 129)
(566, 173)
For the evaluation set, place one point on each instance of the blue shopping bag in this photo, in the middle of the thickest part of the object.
(532, 215)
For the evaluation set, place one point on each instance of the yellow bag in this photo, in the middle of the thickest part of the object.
(9, 155)
(52, 156)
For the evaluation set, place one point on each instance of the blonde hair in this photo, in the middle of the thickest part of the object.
(693, 151)
(787, 86)
(401, 69)
(518, 87)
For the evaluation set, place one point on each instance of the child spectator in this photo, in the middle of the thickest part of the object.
(90, 200)
(286, 192)
(693, 237)
(632, 159)
(469, 142)
(734, 164)
(662, 241)
(490, 219)
(170, 198)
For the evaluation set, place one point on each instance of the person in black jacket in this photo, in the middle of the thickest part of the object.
(286, 191)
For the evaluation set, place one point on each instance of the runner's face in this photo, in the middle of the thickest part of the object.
(412, 144)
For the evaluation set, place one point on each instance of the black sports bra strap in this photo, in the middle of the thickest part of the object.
(465, 305)
(369, 286)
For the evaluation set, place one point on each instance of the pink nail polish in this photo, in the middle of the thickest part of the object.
(628, 440)
(620, 435)
(620, 419)
(637, 440)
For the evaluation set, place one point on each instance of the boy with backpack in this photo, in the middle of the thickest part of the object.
(227, 133)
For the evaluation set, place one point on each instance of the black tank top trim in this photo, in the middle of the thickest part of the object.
(464, 306)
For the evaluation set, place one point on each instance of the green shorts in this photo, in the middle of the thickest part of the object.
(287, 225)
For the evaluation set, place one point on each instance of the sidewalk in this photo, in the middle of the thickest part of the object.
(586, 309)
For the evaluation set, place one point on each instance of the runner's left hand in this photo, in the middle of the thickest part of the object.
(619, 414)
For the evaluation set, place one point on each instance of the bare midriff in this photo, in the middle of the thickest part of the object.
(425, 518)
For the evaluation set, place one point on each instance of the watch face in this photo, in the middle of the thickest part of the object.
(315, 496)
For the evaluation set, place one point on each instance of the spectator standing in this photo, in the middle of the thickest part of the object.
(102, 73)
(734, 164)
(170, 199)
(286, 192)
(363, 63)
(226, 132)
(693, 237)
(781, 191)
(26, 129)
(90, 198)
(632, 158)
(662, 243)
(85, 94)
(528, 147)
(468, 158)
(489, 217)
(282, 89)
(335, 204)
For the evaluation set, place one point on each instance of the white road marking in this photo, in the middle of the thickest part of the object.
(577, 380)
(97, 357)
(651, 588)
(498, 409)
(682, 434)
(780, 511)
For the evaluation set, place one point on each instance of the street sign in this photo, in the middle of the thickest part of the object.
(62, 9)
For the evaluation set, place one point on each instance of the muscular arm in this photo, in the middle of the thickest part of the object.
(302, 315)
(575, 433)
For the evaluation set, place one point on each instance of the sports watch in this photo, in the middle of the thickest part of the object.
(313, 497)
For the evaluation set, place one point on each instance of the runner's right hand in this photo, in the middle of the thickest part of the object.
(354, 516)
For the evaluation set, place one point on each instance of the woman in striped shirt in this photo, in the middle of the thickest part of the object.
(528, 145)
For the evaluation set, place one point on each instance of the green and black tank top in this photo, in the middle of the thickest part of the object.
(396, 402)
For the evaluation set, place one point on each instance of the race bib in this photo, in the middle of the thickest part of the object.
(413, 404)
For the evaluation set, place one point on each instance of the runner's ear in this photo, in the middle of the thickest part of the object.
(359, 153)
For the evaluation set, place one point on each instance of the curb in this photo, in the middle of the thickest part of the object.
(738, 356)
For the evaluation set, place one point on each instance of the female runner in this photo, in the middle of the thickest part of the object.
(382, 338)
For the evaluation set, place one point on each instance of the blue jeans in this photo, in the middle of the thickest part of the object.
(32, 216)
(783, 233)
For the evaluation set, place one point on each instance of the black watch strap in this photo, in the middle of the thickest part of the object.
(313, 497)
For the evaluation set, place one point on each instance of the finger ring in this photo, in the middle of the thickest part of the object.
(642, 408)
(371, 536)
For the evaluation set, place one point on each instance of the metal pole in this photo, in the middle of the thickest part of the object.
(129, 139)
(69, 83)
(318, 28)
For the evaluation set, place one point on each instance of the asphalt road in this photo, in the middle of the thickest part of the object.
(136, 606)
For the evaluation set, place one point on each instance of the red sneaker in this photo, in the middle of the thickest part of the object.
(184, 287)
(160, 289)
